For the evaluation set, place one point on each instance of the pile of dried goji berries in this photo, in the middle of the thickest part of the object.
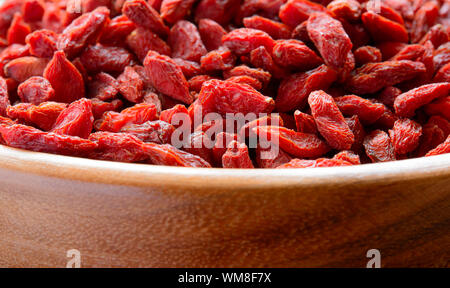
(329, 83)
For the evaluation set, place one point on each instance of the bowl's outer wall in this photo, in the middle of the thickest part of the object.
(169, 217)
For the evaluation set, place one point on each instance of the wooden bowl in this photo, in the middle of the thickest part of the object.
(131, 215)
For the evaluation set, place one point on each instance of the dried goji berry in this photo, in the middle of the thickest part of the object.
(220, 11)
(159, 132)
(348, 156)
(305, 123)
(275, 29)
(387, 95)
(405, 136)
(211, 33)
(167, 77)
(373, 77)
(189, 68)
(367, 54)
(358, 131)
(20, 69)
(441, 122)
(321, 162)
(294, 90)
(439, 107)
(185, 41)
(143, 40)
(33, 10)
(367, 111)
(423, 20)
(105, 58)
(253, 82)
(379, 147)
(227, 97)
(442, 56)
(144, 15)
(295, 12)
(35, 90)
(431, 137)
(18, 30)
(171, 156)
(103, 86)
(443, 75)
(196, 82)
(99, 107)
(408, 102)
(137, 114)
(261, 58)
(117, 30)
(42, 43)
(59, 72)
(247, 129)
(330, 121)
(201, 145)
(244, 40)
(42, 116)
(345, 9)
(330, 39)
(82, 31)
(218, 60)
(293, 54)
(29, 138)
(271, 158)
(4, 97)
(131, 85)
(242, 70)
(437, 35)
(383, 29)
(441, 149)
(175, 10)
(237, 156)
(384, 10)
(76, 120)
(298, 144)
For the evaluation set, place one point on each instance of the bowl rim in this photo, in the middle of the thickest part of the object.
(132, 174)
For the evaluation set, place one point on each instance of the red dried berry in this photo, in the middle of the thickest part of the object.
(293, 54)
(405, 136)
(131, 85)
(220, 11)
(142, 40)
(237, 156)
(295, 12)
(158, 132)
(294, 90)
(305, 123)
(20, 69)
(423, 20)
(76, 120)
(144, 15)
(367, 54)
(406, 103)
(101, 58)
(244, 40)
(373, 77)
(255, 83)
(330, 121)
(165, 75)
(275, 29)
(42, 116)
(227, 97)
(175, 10)
(218, 60)
(33, 10)
(346, 9)
(271, 158)
(367, 111)
(4, 96)
(330, 39)
(186, 42)
(59, 72)
(298, 144)
(18, 30)
(36, 90)
(358, 131)
(242, 70)
(82, 31)
(117, 30)
(211, 33)
(441, 149)
(321, 162)
(103, 86)
(42, 43)
(378, 147)
(383, 29)
(137, 114)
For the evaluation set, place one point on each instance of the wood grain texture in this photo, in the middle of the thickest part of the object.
(129, 215)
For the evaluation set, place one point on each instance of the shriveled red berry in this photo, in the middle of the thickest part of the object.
(295, 12)
(211, 33)
(330, 121)
(185, 41)
(405, 136)
(367, 111)
(293, 54)
(36, 90)
(144, 15)
(379, 147)
(165, 75)
(60, 72)
(244, 40)
(76, 120)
